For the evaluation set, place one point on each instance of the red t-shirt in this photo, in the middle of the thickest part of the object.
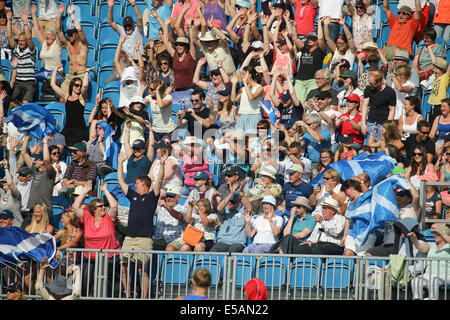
(102, 237)
(304, 18)
(402, 35)
(183, 71)
(345, 127)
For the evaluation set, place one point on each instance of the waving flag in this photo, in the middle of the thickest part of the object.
(18, 245)
(33, 119)
(377, 166)
(374, 208)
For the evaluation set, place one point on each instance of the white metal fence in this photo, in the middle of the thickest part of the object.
(287, 277)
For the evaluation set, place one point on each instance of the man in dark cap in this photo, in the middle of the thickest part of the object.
(6, 219)
(133, 31)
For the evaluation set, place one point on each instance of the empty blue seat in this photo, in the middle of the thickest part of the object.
(129, 10)
(214, 263)
(304, 273)
(245, 269)
(58, 110)
(90, 25)
(103, 75)
(107, 36)
(103, 11)
(176, 269)
(273, 271)
(337, 273)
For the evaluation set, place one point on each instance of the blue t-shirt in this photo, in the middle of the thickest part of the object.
(232, 230)
(315, 147)
(291, 192)
(164, 12)
(137, 168)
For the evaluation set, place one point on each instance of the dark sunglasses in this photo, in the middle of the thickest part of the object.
(56, 153)
(12, 290)
(417, 154)
(403, 13)
(195, 100)
(319, 98)
(262, 128)
(152, 89)
(373, 61)
(163, 63)
(77, 85)
(101, 206)
(427, 132)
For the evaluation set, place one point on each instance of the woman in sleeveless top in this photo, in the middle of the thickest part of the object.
(441, 125)
(71, 235)
(183, 53)
(418, 166)
(225, 115)
(249, 98)
(215, 9)
(75, 129)
(407, 124)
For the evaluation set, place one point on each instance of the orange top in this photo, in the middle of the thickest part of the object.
(442, 14)
(402, 34)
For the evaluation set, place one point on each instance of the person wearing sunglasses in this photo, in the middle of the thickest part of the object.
(196, 116)
(403, 28)
(418, 166)
(14, 291)
(420, 138)
(362, 22)
(323, 81)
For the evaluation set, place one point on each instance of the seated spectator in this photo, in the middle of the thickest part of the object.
(139, 161)
(6, 219)
(403, 88)
(323, 80)
(407, 124)
(262, 136)
(295, 155)
(403, 28)
(296, 187)
(325, 158)
(24, 186)
(266, 158)
(350, 87)
(300, 225)
(316, 138)
(433, 199)
(170, 221)
(40, 222)
(25, 51)
(423, 60)
(266, 185)
(401, 59)
(99, 149)
(326, 237)
(79, 173)
(10, 196)
(215, 46)
(418, 166)
(203, 188)
(389, 135)
(421, 138)
(203, 219)
(434, 276)
(231, 236)
(373, 61)
(264, 229)
(224, 116)
(349, 123)
(331, 187)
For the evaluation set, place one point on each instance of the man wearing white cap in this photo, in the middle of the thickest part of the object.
(326, 237)
(264, 228)
(296, 187)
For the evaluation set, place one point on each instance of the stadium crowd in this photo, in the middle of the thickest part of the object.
(227, 112)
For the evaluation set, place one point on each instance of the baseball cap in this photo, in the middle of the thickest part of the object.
(350, 74)
(233, 171)
(224, 92)
(24, 170)
(79, 146)
(353, 97)
(243, 3)
(285, 96)
(138, 144)
(282, 42)
(160, 144)
(295, 168)
(215, 72)
(345, 139)
(401, 55)
(257, 44)
(13, 286)
(127, 21)
(6, 214)
(236, 197)
(312, 35)
(200, 175)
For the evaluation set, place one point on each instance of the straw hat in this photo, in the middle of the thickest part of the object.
(331, 202)
(268, 171)
(302, 201)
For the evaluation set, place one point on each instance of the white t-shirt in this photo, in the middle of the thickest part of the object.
(210, 231)
(264, 232)
(331, 8)
(132, 39)
(400, 98)
(162, 117)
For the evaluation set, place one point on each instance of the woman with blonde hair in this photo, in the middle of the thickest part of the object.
(403, 88)
(71, 235)
(390, 134)
(40, 222)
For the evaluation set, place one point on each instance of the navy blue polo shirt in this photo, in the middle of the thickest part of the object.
(140, 217)
(291, 192)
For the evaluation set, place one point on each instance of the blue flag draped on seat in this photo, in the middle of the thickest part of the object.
(377, 166)
(18, 245)
(33, 119)
(374, 208)
(112, 148)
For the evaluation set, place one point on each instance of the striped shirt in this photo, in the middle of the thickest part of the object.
(329, 230)
(25, 66)
(87, 171)
(167, 227)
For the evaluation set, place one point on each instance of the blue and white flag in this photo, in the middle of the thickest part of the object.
(377, 166)
(374, 208)
(112, 149)
(18, 245)
(33, 119)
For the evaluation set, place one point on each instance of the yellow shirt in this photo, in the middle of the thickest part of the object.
(439, 90)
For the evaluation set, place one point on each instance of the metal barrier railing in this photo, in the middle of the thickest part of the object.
(122, 274)
(423, 199)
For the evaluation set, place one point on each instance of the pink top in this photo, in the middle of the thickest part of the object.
(102, 237)
(191, 166)
(191, 12)
(304, 18)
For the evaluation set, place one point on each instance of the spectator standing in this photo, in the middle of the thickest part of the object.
(164, 9)
(421, 138)
(362, 22)
(10, 196)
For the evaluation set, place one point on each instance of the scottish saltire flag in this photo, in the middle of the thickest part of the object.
(377, 166)
(18, 245)
(33, 119)
(374, 208)
(266, 105)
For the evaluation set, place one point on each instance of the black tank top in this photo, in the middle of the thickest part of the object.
(74, 114)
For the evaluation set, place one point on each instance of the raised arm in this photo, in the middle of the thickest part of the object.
(76, 23)
(117, 65)
(330, 43)
(37, 27)
(113, 204)
(386, 9)
(60, 92)
(78, 202)
(111, 21)
(24, 152)
(59, 30)
(200, 83)
(139, 21)
(120, 177)
(9, 32)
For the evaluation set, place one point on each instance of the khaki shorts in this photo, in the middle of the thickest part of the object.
(176, 244)
(137, 243)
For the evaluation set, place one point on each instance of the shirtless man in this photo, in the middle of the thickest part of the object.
(76, 44)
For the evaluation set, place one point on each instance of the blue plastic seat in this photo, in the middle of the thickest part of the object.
(129, 10)
(337, 273)
(86, 7)
(107, 36)
(304, 273)
(176, 269)
(114, 95)
(90, 25)
(273, 271)
(103, 75)
(103, 11)
(245, 270)
(58, 110)
(214, 263)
